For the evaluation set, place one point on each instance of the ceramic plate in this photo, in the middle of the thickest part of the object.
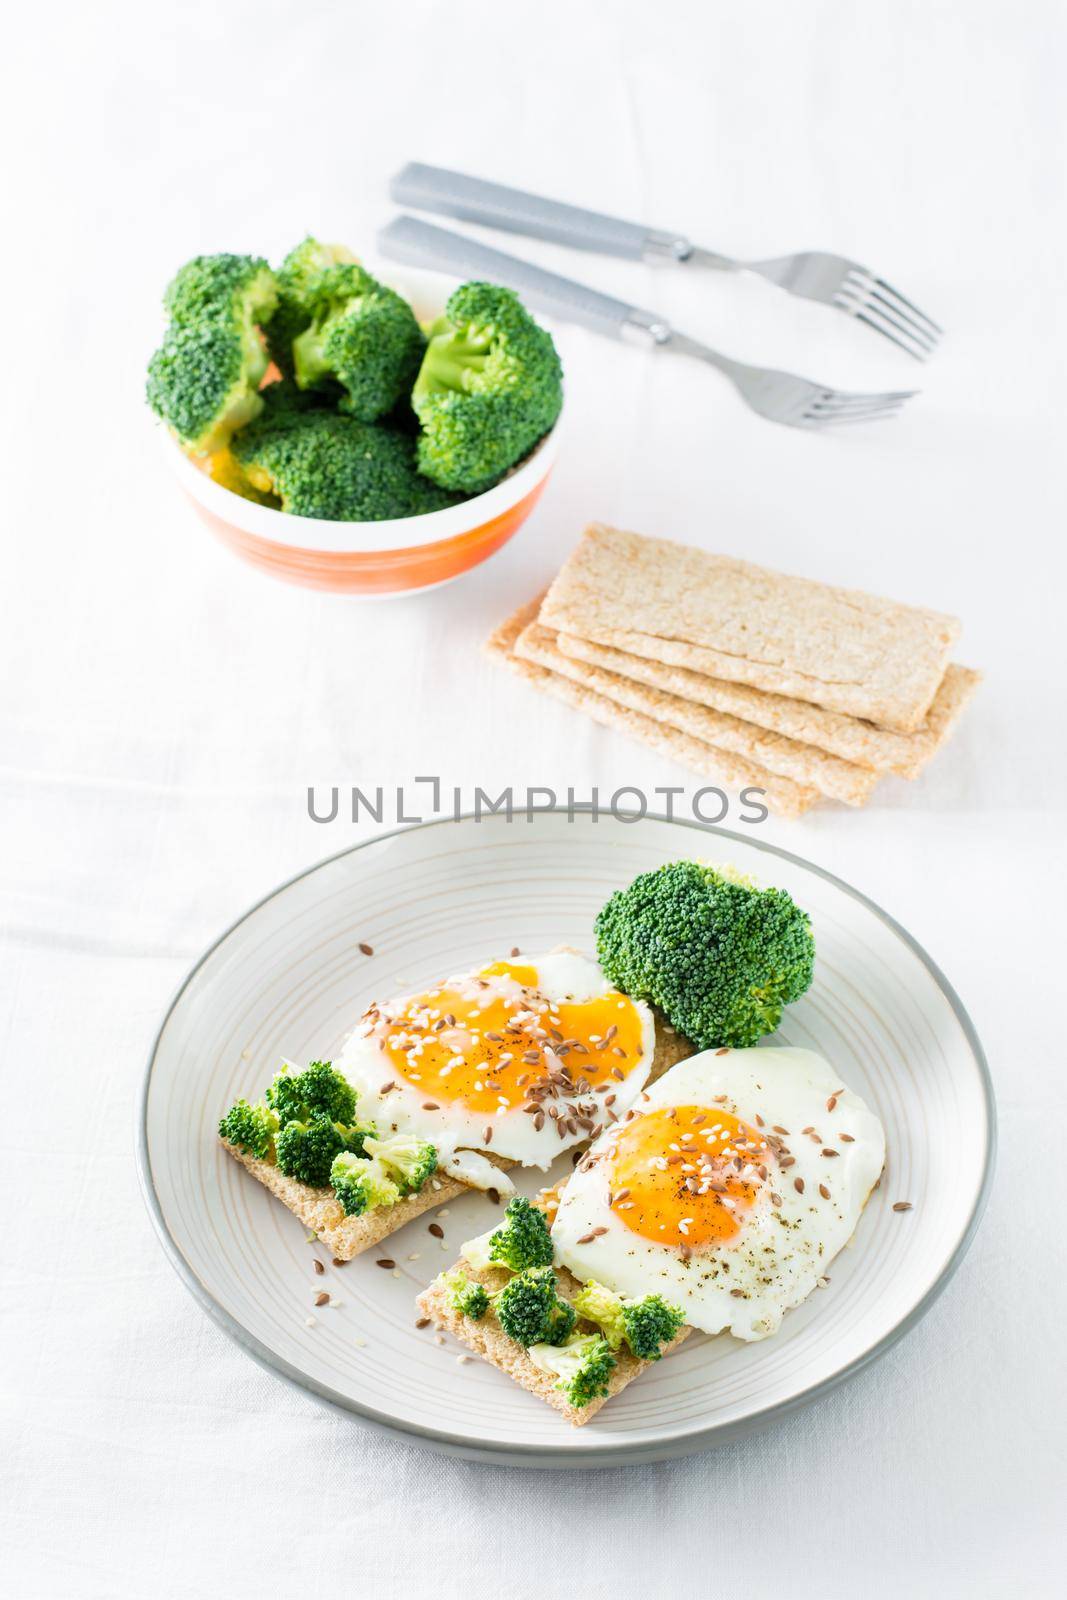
(290, 979)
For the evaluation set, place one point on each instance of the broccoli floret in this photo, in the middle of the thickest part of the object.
(362, 336)
(407, 1160)
(646, 1325)
(296, 276)
(250, 1128)
(319, 1089)
(470, 1299)
(323, 465)
(717, 954)
(361, 1184)
(212, 286)
(306, 1149)
(530, 1310)
(204, 378)
(489, 388)
(523, 1240)
(584, 1365)
(650, 1324)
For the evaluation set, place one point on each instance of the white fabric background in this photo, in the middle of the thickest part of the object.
(165, 708)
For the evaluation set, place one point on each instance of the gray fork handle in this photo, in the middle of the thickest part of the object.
(420, 244)
(454, 194)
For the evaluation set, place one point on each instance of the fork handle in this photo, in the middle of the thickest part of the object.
(454, 194)
(420, 244)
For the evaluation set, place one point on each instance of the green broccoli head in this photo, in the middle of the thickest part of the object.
(720, 956)
(408, 1160)
(530, 1310)
(306, 1149)
(319, 1089)
(296, 277)
(250, 1128)
(583, 1364)
(208, 287)
(646, 1325)
(523, 1240)
(362, 336)
(204, 379)
(320, 464)
(489, 388)
(470, 1299)
(361, 1183)
(650, 1324)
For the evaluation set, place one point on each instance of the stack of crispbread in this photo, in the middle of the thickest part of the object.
(804, 691)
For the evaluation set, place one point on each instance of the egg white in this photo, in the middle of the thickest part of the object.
(782, 1251)
(457, 1131)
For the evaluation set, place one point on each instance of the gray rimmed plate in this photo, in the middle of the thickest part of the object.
(289, 979)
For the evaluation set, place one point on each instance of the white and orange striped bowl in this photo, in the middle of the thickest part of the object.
(373, 559)
(294, 974)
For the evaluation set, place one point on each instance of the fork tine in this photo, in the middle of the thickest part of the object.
(853, 419)
(902, 319)
(839, 404)
(918, 351)
(895, 294)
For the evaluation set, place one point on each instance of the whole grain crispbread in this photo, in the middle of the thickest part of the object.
(320, 1210)
(804, 763)
(782, 795)
(853, 739)
(488, 1340)
(839, 648)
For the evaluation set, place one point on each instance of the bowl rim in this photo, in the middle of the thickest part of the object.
(344, 538)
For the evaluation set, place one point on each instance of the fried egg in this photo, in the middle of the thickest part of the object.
(728, 1188)
(519, 1059)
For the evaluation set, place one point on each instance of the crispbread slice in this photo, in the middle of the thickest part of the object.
(320, 1210)
(804, 763)
(838, 648)
(854, 740)
(783, 795)
(487, 1339)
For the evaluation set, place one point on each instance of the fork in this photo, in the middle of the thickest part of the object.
(778, 396)
(811, 274)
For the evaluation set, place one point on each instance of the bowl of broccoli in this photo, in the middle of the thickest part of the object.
(350, 433)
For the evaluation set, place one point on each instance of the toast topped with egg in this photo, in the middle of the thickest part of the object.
(446, 1089)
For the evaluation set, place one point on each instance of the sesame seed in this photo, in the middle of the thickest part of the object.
(902, 1205)
(322, 1299)
(319, 1268)
(798, 1185)
(386, 1262)
(831, 1152)
(824, 1191)
(367, 950)
(430, 1105)
(436, 1229)
(422, 1322)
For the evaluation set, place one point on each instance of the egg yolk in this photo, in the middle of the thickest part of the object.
(687, 1175)
(494, 1037)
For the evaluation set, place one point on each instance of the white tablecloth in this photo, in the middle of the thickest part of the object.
(164, 710)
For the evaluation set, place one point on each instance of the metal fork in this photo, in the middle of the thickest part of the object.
(811, 274)
(778, 396)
